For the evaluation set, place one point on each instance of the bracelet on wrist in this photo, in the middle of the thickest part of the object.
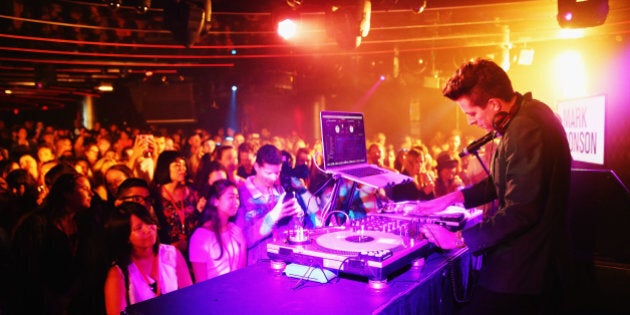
(459, 240)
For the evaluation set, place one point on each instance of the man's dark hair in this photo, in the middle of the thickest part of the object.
(220, 149)
(268, 154)
(481, 80)
(132, 182)
(56, 171)
(246, 147)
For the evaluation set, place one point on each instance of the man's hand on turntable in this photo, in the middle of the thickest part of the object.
(432, 206)
(442, 237)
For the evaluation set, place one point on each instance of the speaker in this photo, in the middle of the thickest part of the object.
(186, 19)
(582, 13)
(348, 23)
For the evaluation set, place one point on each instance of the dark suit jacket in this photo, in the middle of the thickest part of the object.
(524, 240)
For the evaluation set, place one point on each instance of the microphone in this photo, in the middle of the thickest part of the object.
(475, 145)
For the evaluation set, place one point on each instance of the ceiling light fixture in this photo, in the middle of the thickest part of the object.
(113, 4)
(105, 87)
(420, 7)
(143, 6)
(582, 13)
(294, 4)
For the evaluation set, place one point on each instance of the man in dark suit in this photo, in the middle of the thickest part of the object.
(523, 240)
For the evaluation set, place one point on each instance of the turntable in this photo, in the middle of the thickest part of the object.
(353, 250)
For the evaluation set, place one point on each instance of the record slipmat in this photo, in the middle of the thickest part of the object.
(350, 241)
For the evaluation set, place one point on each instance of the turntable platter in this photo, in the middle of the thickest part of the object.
(359, 241)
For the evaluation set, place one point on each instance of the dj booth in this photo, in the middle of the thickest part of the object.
(426, 288)
(383, 265)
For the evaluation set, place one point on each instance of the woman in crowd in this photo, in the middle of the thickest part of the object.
(56, 270)
(143, 268)
(209, 172)
(21, 197)
(179, 201)
(218, 246)
(447, 179)
(421, 188)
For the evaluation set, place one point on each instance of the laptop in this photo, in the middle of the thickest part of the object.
(345, 152)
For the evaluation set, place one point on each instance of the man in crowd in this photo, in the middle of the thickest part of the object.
(265, 214)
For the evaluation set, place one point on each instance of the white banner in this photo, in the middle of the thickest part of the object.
(584, 121)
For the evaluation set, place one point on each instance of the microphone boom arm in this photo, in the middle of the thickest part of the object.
(474, 146)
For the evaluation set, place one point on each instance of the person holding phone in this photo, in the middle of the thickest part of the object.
(265, 212)
(143, 157)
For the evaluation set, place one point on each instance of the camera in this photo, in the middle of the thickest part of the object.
(288, 171)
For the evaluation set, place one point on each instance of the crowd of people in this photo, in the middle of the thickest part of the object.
(93, 220)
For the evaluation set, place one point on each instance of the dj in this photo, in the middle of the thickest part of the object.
(523, 240)
(265, 213)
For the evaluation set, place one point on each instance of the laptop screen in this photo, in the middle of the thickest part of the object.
(343, 138)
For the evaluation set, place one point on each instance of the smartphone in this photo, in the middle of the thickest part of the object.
(148, 139)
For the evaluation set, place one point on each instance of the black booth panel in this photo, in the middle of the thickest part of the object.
(599, 215)
(599, 218)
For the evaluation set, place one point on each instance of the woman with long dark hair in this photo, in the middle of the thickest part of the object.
(218, 246)
(179, 201)
(54, 251)
(142, 267)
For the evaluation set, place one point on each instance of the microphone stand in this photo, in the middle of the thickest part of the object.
(485, 168)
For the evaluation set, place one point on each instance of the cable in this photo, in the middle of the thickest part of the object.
(307, 273)
(341, 265)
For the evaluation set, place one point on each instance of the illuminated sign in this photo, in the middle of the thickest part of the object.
(583, 120)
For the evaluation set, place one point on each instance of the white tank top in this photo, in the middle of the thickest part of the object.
(140, 290)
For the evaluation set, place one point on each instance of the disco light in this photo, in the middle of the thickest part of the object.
(582, 13)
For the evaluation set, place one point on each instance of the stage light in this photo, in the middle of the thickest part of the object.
(287, 29)
(105, 87)
(568, 16)
(294, 4)
(420, 7)
(233, 51)
(143, 6)
(234, 88)
(8, 92)
(582, 13)
(570, 74)
(382, 78)
(113, 4)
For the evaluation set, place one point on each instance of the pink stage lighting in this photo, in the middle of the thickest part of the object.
(287, 28)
